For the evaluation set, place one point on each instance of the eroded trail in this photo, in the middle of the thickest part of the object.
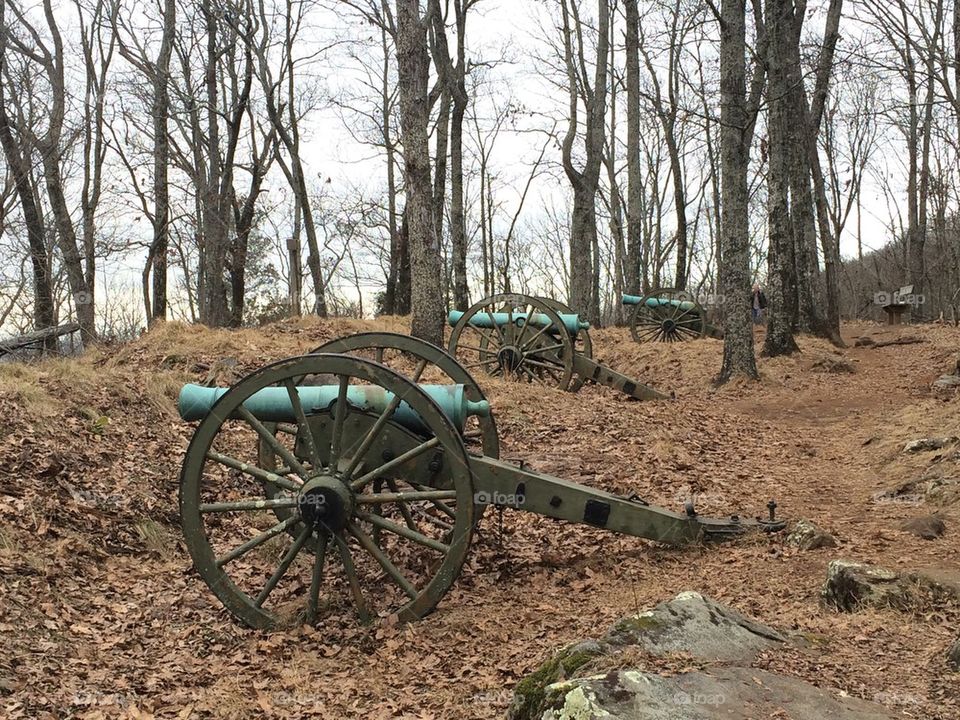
(102, 617)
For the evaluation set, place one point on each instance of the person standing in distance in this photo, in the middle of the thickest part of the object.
(758, 305)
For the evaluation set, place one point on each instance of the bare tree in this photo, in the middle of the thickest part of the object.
(584, 295)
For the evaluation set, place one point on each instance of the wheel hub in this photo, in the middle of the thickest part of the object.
(509, 358)
(668, 325)
(325, 503)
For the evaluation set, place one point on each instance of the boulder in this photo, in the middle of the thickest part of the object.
(943, 489)
(945, 385)
(721, 693)
(928, 527)
(851, 586)
(591, 680)
(808, 536)
(953, 655)
(928, 444)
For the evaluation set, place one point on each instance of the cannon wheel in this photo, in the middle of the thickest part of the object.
(406, 349)
(517, 350)
(258, 570)
(401, 353)
(668, 320)
(582, 343)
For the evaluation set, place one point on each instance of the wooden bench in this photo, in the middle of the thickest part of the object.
(898, 305)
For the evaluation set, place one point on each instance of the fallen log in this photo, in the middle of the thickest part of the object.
(899, 341)
(38, 336)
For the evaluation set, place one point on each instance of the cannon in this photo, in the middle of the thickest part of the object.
(330, 485)
(536, 340)
(668, 315)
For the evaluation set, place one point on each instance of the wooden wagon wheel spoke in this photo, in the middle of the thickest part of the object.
(540, 333)
(350, 570)
(366, 542)
(254, 471)
(271, 440)
(361, 481)
(301, 417)
(284, 565)
(340, 410)
(407, 496)
(257, 541)
(316, 579)
(248, 505)
(403, 507)
(405, 531)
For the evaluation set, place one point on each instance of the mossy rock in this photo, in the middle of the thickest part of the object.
(530, 695)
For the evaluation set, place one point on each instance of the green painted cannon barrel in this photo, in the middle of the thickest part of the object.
(273, 404)
(486, 320)
(655, 302)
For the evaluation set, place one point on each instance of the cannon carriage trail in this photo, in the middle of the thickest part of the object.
(102, 616)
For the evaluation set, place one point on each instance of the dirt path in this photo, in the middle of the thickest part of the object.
(101, 615)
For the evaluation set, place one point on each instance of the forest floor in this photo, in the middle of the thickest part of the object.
(101, 614)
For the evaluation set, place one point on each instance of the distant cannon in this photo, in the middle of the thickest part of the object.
(330, 483)
(668, 315)
(535, 340)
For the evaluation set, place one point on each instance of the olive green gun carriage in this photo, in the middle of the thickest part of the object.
(536, 340)
(330, 485)
(668, 315)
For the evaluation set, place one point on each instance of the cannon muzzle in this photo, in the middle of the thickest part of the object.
(273, 404)
(571, 322)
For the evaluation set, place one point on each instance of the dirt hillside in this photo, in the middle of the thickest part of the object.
(102, 616)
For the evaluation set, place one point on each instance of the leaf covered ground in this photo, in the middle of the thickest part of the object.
(101, 615)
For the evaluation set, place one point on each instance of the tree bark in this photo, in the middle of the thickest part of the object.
(413, 67)
(583, 226)
(634, 181)
(781, 288)
(736, 129)
(161, 159)
(19, 165)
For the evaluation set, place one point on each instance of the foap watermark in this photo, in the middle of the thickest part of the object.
(883, 297)
(685, 698)
(897, 698)
(491, 698)
(498, 498)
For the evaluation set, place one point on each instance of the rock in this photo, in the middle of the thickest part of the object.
(832, 365)
(724, 685)
(927, 444)
(945, 384)
(911, 492)
(863, 342)
(727, 693)
(851, 586)
(696, 625)
(953, 655)
(942, 490)
(807, 536)
(929, 527)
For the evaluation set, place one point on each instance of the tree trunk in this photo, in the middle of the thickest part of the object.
(161, 159)
(780, 256)
(413, 67)
(634, 182)
(584, 297)
(43, 312)
(458, 230)
(734, 269)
